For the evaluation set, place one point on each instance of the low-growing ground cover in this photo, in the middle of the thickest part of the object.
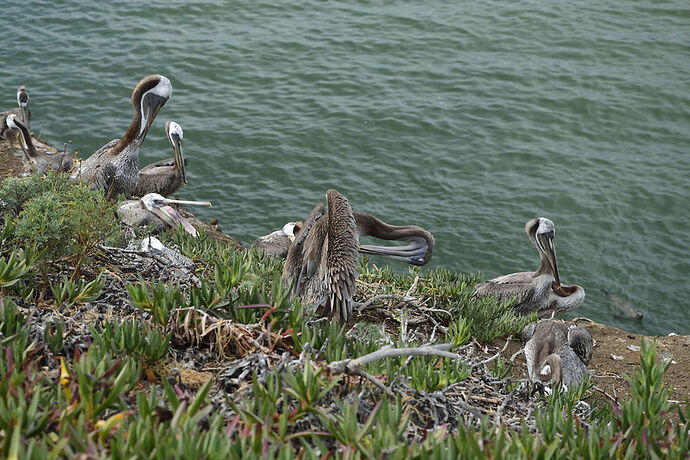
(116, 352)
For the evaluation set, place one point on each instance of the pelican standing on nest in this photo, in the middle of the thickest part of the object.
(154, 209)
(323, 260)
(23, 111)
(40, 162)
(114, 168)
(165, 177)
(540, 291)
(557, 352)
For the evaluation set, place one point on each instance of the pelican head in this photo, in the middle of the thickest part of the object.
(542, 232)
(23, 102)
(158, 205)
(175, 135)
(289, 230)
(150, 95)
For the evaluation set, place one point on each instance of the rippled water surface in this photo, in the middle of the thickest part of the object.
(467, 119)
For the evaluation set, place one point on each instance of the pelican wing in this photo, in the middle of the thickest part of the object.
(295, 262)
(518, 285)
(342, 258)
(580, 340)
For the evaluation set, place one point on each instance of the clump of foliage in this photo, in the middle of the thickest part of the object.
(63, 218)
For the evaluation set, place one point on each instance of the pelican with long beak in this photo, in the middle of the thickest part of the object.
(540, 291)
(155, 209)
(40, 162)
(114, 168)
(165, 177)
(22, 112)
(323, 260)
(557, 352)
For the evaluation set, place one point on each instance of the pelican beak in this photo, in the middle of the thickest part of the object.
(179, 158)
(546, 244)
(417, 252)
(152, 104)
(193, 203)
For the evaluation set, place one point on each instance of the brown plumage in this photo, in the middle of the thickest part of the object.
(557, 351)
(540, 291)
(23, 113)
(165, 177)
(114, 168)
(323, 260)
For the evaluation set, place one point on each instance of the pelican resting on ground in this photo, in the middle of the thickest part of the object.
(557, 352)
(539, 291)
(323, 260)
(154, 209)
(165, 177)
(40, 162)
(276, 244)
(22, 112)
(114, 168)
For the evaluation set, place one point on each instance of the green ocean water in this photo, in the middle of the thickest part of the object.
(465, 118)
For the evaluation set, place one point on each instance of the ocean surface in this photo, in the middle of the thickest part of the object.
(467, 118)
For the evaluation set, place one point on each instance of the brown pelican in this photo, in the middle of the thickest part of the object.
(114, 168)
(539, 291)
(22, 111)
(40, 162)
(323, 259)
(167, 176)
(276, 244)
(153, 209)
(557, 351)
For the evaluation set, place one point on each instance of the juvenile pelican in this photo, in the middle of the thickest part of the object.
(276, 244)
(22, 112)
(557, 351)
(40, 162)
(324, 257)
(153, 209)
(114, 168)
(165, 177)
(539, 291)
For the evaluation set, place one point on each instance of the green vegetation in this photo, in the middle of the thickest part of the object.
(279, 393)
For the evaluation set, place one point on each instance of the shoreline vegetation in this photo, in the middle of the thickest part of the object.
(110, 350)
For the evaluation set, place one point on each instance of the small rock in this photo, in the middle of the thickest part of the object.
(672, 334)
(633, 348)
(616, 357)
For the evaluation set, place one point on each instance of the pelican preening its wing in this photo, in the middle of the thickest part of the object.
(167, 176)
(558, 352)
(155, 209)
(114, 168)
(323, 259)
(539, 291)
